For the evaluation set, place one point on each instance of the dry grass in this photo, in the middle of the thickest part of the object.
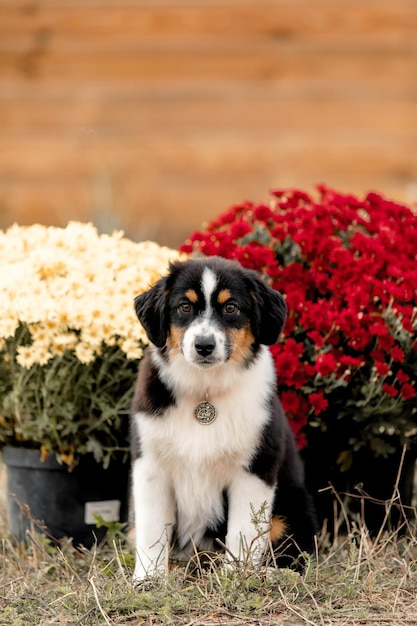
(353, 580)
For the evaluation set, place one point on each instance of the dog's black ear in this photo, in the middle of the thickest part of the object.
(152, 311)
(269, 312)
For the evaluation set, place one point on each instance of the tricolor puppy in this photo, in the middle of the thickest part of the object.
(212, 449)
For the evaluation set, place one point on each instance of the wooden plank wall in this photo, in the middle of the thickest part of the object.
(156, 115)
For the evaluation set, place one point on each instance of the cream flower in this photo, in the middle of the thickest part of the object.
(78, 289)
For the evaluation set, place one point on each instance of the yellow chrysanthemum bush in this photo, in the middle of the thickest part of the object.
(70, 341)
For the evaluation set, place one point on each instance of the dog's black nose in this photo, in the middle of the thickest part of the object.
(204, 345)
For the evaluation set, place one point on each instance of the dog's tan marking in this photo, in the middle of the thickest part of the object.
(278, 528)
(224, 296)
(241, 339)
(192, 295)
(174, 339)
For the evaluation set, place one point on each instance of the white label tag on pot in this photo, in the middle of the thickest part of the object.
(109, 510)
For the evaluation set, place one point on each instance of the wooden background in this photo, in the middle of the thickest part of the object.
(154, 116)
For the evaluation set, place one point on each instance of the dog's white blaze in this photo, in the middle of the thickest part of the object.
(208, 285)
(199, 462)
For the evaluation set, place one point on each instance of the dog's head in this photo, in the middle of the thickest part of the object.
(211, 311)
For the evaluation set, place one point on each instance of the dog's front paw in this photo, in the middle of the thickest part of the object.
(139, 575)
(145, 575)
(143, 580)
(143, 584)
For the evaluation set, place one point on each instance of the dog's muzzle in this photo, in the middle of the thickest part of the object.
(204, 346)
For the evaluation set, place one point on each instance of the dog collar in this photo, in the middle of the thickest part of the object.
(205, 413)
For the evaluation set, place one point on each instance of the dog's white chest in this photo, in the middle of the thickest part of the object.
(178, 437)
(200, 461)
(198, 492)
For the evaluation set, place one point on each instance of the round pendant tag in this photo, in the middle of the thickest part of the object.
(205, 413)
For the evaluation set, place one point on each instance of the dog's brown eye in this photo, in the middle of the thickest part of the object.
(185, 307)
(230, 308)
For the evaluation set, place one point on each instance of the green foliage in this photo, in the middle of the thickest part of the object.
(115, 530)
(69, 408)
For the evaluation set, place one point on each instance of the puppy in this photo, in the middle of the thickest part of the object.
(213, 457)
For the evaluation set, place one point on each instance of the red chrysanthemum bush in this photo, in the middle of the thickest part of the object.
(347, 360)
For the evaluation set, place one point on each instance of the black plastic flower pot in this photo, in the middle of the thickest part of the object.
(59, 503)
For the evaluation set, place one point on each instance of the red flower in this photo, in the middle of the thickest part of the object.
(239, 229)
(397, 354)
(408, 391)
(350, 361)
(263, 213)
(318, 402)
(316, 337)
(346, 267)
(378, 355)
(390, 390)
(326, 364)
(254, 256)
(402, 377)
(382, 368)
